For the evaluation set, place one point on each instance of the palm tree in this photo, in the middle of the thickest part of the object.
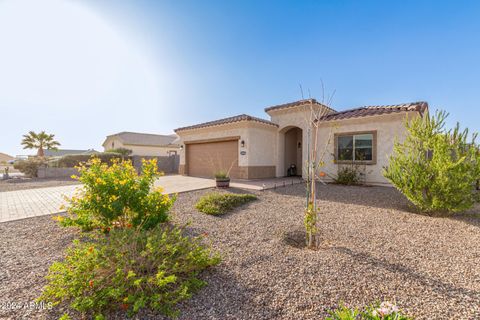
(39, 141)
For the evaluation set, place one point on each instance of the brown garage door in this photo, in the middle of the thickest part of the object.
(204, 159)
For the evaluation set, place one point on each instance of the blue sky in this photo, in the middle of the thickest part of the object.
(85, 69)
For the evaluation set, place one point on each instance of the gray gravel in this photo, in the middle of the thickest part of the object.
(372, 248)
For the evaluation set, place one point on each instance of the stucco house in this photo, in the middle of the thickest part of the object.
(250, 147)
(143, 144)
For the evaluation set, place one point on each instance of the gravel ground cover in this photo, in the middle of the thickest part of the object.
(372, 248)
(33, 183)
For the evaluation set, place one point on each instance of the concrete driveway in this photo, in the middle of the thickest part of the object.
(21, 204)
(15, 205)
(178, 183)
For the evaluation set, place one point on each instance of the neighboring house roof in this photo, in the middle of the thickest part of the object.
(296, 104)
(143, 139)
(5, 157)
(366, 111)
(64, 152)
(239, 118)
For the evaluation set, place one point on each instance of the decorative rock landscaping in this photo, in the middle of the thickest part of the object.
(373, 248)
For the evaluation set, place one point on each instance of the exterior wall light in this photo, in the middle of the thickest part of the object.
(242, 143)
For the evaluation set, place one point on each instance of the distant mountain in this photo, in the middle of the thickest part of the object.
(5, 157)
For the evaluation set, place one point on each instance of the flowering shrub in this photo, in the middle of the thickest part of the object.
(116, 196)
(129, 270)
(383, 311)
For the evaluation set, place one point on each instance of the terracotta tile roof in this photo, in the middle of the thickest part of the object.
(367, 111)
(242, 117)
(296, 104)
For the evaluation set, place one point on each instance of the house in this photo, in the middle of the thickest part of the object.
(64, 152)
(250, 147)
(143, 144)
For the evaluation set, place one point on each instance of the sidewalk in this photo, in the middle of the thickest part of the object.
(15, 205)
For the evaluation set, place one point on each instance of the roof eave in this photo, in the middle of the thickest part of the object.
(369, 116)
(190, 128)
(297, 104)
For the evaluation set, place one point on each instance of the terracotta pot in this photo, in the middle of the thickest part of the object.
(222, 182)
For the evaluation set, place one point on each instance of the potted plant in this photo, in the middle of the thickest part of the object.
(222, 179)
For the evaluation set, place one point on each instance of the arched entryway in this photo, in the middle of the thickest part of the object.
(293, 155)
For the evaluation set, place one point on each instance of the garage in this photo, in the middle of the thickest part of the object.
(243, 144)
(205, 158)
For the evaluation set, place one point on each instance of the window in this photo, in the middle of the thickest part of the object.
(356, 147)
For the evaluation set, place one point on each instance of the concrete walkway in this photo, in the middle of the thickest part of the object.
(15, 205)
(177, 183)
(264, 184)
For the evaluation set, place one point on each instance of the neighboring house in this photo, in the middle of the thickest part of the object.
(143, 144)
(64, 152)
(4, 158)
(251, 147)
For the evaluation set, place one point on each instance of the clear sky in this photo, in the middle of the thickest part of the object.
(86, 69)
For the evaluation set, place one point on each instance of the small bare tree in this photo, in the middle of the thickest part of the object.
(313, 164)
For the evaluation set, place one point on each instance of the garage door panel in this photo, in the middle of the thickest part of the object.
(204, 159)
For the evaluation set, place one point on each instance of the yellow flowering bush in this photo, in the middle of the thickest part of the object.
(115, 196)
(129, 270)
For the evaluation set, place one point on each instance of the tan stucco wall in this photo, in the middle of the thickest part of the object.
(388, 128)
(138, 150)
(265, 145)
(260, 144)
(286, 119)
(107, 145)
(260, 151)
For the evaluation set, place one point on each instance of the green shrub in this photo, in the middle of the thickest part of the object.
(116, 196)
(122, 151)
(73, 160)
(348, 176)
(29, 166)
(344, 313)
(129, 270)
(221, 175)
(434, 168)
(220, 203)
(380, 311)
